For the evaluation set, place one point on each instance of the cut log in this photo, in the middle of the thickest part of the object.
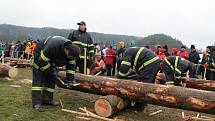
(23, 65)
(106, 106)
(17, 60)
(201, 84)
(20, 64)
(169, 96)
(208, 85)
(8, 71)
(13, 63)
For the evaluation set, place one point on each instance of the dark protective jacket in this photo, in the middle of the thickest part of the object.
(212, 58)
(83, 40)
(120, 52)
(179, 66)
(194, 57)
(50, 54)
(136, 59)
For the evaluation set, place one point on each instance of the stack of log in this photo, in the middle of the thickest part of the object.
(21, 63)
(201, 84)
(169, 96)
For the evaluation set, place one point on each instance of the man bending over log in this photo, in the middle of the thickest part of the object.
(50, 53)
(175, 70)
(143, 62)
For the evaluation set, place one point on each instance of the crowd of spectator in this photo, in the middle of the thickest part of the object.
(108, 58)
(111, 57)
(24, 50)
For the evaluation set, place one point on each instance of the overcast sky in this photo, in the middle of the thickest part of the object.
(191, 21)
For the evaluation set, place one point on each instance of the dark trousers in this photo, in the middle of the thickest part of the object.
(42, 87)
(148, 74)
(119, 61)
(108, 68)
(210, 75)
(195, 72)
(80, 65)
(114, 67)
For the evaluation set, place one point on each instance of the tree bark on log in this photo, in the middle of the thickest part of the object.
(20, 63)
(201, 84)
(169, 96)
(7, 71)
(208, 85)
(17, 60)
(108, 105)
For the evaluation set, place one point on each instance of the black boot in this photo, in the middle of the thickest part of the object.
(139, 106)
(52, 103)
(38, 107)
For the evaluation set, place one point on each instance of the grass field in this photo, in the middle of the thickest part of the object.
(15, 104)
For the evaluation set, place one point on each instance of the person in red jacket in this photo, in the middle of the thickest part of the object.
(174, 52)
(183, 53)
(161, 54)
(109, 60)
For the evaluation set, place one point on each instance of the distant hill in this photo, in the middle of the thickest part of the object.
(13, 33)
(160, 39)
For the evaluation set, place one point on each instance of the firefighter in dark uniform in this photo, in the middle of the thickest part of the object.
(175, 70)
(50, 53)
(144, 63)
(81, 38)
(210, 73)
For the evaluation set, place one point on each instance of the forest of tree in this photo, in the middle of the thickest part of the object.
(12, 33)
(160, 39)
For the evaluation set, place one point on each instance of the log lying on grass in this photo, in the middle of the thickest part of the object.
(208, 85)
(108, 105)
(201, 84)
(169, 96)
(8, 71)
(18, 62)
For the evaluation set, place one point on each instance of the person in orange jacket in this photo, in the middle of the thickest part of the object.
(33, 47)
(98, 66)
